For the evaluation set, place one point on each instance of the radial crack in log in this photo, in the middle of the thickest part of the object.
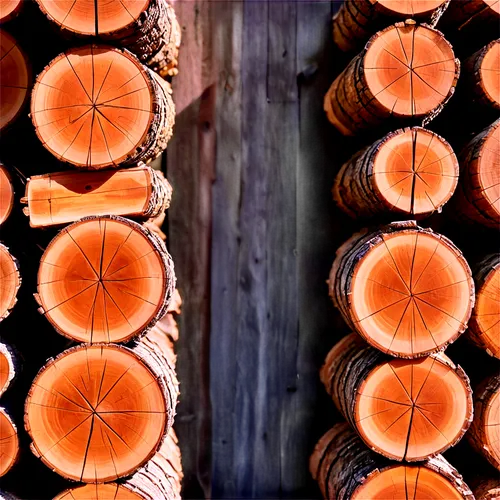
(10, 281)
(6, 194)
(9, 443)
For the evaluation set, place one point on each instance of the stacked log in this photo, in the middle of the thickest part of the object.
(486, 488)
(7, 367)
(6, 194)
(11, 281)
(9, 443)
(9, 9)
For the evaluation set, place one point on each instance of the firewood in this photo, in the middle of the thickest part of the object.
(357, 20)
(484, 433)
(486, 488)
(346, 470)
(478, 194)
(410, 171)
(16, 79)
(148, 28)
(11, 281)
(405, 71)
(105, 279)
(9, 443)
(9, 9)
(406, 290)
(97, 106)
(6, 194)
(403, 409)
(64, 197)
(99, 412)
(7, 367)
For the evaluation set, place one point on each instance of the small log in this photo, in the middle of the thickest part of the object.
(357, 20)
(6, 194)
(16, 79)
(478, 194)
(486, 488)
(11, 281)
(7, 367)
(99, 412)
(97, 106)
(105, 279)
(65, 197)
(405, 71)
(406, 290)
(346, 470)
(9, 443)
(148, 28)
(9, 9)
(411, 171)
(484, 433)
(403, 409)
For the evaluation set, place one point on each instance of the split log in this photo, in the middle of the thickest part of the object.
(405, 71)
(148, 28)
(484, 433)
(484, 326)
(7, 367)
(16, 79)
(99, 412)
(486, 488)
(482, 79)
(9, 443)
(411, 171)
(6, 194)
(357, 20)
(10, 280)
(9, 9)
(346, 470)
(403, 409)
(406, 290)
(64, 197)
(97, 106)
(478, 193)
(105, 279)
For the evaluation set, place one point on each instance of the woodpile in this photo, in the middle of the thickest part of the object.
(6, 194)
(9, 9)
(9, 443)
(11, 281)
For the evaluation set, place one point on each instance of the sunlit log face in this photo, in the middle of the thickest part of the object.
(9, 282)
(99, 492)
(9, 443)
(6, 194)
(490, 71)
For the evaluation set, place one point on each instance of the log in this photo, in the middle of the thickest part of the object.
(406, 290)
(478, 194)
(64, 197)
(484, 325)
(411, 171)
(403, 409)
(405, 71)
(16, 79)
(346, 470)
(105, 279)
(9, 443)
(9, 9)
(11, 281)
(486, 488)
(148, 28)
(7, 367)
(99, 412)
(97, 106)
(357, 20)
(484, 433)
(6, 194)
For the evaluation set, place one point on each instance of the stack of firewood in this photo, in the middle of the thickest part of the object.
(406, 291)
(102, 410)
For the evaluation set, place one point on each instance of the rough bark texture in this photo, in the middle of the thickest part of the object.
(11, 281)
(486, 488)
(8, 367)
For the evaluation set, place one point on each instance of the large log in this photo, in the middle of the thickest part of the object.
(105, 279)
(64, 197)
(97, 106)
(9, 443)
(486, 488)
(406, 290)
(11, 281)
(9, 9)
(7, 367)
(405, 71)
(6, 194)
(346, 470)
(403, 409)
(411, 171)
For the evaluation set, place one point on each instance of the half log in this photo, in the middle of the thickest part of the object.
(405, 71)
(6, 194)
(97, 106)
(357, 20)
(7, 367)
(9, 9)
(64, 197)
(411, 171)
(9, 443)
(105, 279)
(486, 488)
(406, 290)
(403, 409)
(346, 470)
(10, 280)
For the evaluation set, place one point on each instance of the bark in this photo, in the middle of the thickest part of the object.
(9, 443)
(486, 488)
(8, 367)
(11, 281)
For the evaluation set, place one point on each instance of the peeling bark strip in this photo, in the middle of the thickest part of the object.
(411, 171)
(403, 409)
(9, 9)
(7, 367)
(406, 290)
(10, 280)
(357, 20)
(148, 28)
(486, 488)
(98, 412)
(405, 71)
(65, 197)
(484, 434)
(16, 79)
(9, 443)
(97, 106)
(6, 194)
(346, 470)
(105, 279)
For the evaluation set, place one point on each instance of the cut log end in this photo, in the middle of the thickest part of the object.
(105, 279)
(9, 443)
(6, 194)
(99, 492)
(9, 9)
(11, 281)
(490, 73)
(96, 413)
(7, 368)
(409, 8)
